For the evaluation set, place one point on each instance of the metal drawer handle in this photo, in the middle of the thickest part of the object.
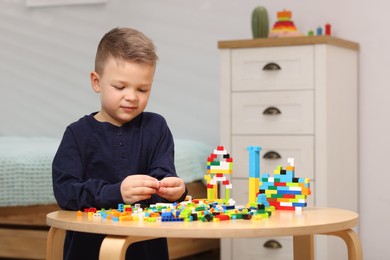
(272, 66)
(272, 111)
(272, 244)
(272, 155)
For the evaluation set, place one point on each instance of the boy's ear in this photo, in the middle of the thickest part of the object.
(95, 81)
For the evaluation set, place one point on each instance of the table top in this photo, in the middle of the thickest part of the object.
(312, 220)
(288, 41)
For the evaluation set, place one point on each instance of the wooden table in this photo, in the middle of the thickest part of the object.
(302, 226)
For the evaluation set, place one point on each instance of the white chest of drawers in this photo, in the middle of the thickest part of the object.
(294, 97)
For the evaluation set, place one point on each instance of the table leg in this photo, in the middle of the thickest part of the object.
(114, 247)
(353, 242)
(304, 247)
(55, 243)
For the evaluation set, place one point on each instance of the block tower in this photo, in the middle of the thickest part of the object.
(218, 164)
(254, 172)
(283, 190)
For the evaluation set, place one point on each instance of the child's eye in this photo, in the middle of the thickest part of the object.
(118, 87)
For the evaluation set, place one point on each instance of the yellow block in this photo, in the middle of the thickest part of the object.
(211, 171)
(290, 168)
(271, 192)
(210, 194)
(306, 191)
(257, 217)
(253, 189)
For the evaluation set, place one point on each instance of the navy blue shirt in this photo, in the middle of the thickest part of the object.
(92, 160)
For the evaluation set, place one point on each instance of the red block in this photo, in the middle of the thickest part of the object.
(222, 217)
(211, 157)
(327, 29)
(278, 207)
(286, 208)
(227, 182)
(272, 200)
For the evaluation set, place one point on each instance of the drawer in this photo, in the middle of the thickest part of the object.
(301, 148)
(256, 248)
(254, 68)
(277, 112)
(240, 192)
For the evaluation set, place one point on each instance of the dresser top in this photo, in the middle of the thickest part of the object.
(288, 41)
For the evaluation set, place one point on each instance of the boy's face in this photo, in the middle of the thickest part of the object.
(124, 89)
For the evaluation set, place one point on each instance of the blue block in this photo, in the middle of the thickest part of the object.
(298, 204)
(228, 207)
(254, 161)
(294, 192)
(283, 178)
(265, 175)
(166, 214)
(262, 199)
(290, 174)
(302, 180)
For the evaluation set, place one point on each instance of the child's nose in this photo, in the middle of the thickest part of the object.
(130, 95)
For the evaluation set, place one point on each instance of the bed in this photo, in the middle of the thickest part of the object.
(26, 194)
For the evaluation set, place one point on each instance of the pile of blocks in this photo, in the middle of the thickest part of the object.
(186, 211)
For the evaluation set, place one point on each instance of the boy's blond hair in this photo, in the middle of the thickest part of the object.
(125, 44)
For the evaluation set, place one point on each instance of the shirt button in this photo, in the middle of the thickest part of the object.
(124, 155)
(121, 144)
(119, 133)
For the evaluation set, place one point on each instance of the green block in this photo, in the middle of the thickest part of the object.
(238, 215)
(200, 208)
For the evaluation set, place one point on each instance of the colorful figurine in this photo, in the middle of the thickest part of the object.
(218, 164)
(284, 27)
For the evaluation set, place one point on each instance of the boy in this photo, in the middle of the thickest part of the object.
(119, 154)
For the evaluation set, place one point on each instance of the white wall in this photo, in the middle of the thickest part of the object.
(47, 53)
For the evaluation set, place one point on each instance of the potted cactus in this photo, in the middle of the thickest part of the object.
(260, 22)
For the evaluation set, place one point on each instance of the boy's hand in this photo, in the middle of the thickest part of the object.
(171, 188)
(138, 187)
